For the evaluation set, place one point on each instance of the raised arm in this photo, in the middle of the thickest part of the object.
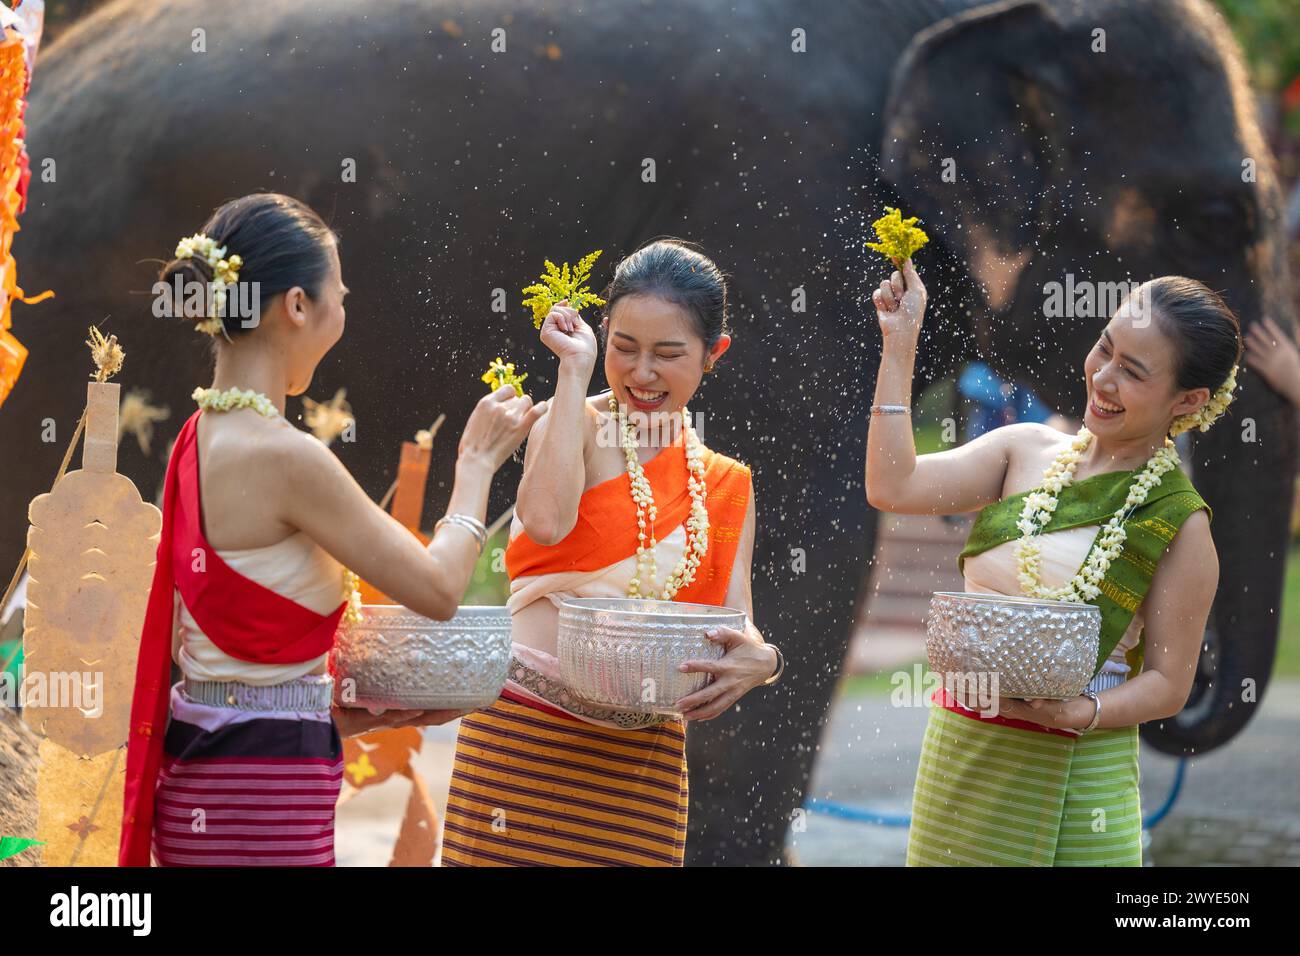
(897, 480)
(321, 498)
(555, 462)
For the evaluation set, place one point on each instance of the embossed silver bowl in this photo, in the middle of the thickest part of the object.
(624, 652)
(1037, 648)
(397, 659)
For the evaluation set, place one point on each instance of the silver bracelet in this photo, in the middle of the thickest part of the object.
(780, 666)
(891, 409)
(1096, 714)
(470, 524)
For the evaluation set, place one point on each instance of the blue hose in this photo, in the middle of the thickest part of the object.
(862, 815)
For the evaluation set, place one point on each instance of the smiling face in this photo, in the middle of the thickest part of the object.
(655, 355)
(315, 324)
(1131, 379)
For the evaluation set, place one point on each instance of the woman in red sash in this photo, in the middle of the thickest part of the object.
(261, 524)
(613, 503)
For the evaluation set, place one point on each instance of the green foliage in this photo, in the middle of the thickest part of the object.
(1269, 33)
(556, 285)
(899, 237)
(12, 846)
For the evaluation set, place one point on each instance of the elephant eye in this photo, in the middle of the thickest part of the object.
(1217, 222)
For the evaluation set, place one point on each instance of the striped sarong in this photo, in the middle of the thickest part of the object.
(532, 787)
(242, 788)
(993, 795)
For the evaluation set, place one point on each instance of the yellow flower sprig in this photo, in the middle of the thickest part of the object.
(503, 373)
(899, 237)
(556, 285)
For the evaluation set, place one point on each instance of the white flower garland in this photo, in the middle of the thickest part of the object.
(697, 524)
(211, 399)
(1038, 509)
(1040, 504)
(218, 401)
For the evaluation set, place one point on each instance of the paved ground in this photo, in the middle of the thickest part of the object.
(1239, 804)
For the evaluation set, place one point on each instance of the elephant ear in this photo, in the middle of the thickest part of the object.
(970, 136)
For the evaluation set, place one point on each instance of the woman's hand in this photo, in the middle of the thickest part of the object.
(1073, 713)
(748, 662)
(354, 721)
(499, 422)
(1274, 355)
(900, 304)
(569, 336)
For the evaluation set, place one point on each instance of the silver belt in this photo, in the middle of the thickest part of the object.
(311, 693)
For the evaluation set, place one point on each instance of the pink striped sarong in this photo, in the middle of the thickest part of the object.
(247, 788)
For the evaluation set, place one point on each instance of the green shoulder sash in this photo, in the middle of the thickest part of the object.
(1093, 500)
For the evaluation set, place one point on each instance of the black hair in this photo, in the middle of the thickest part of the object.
(1206, 334)
(673, 270)
(281, 241)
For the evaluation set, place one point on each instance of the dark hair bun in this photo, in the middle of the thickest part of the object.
(281, 242)
(674, 270)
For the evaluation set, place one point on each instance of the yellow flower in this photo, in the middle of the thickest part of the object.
(503, 373)
(899, 237)
(556, 285)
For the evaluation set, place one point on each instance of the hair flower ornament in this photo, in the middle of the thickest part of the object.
(1207, 414)
(225, 273)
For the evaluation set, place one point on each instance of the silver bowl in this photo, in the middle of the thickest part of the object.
(624, 652)
(397, 659)
(1037, 648)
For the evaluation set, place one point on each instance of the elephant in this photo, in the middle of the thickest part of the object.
(486, 138)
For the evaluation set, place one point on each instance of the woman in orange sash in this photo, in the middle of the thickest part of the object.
(612, 504)
(239, 763)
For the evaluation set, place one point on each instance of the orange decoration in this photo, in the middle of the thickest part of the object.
(13, 185)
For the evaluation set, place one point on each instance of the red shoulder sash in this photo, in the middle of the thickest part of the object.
(240, 616)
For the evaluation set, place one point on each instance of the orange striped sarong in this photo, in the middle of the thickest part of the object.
(533, 788)
(533, 785)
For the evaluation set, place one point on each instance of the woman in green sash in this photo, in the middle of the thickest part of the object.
(1105, 517)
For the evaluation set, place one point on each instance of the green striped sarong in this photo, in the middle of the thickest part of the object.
(993, 795)
(990, 794)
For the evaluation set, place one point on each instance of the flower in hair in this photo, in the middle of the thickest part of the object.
(225, 273)
(1207, 414)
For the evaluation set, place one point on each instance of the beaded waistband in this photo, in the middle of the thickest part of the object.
(1106, 680)
(310, 693)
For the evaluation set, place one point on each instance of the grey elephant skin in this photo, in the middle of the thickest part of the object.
(472, 166)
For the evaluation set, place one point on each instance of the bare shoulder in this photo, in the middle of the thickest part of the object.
(296, 454)
(1030, 441)
(1191, 562)
(1194, 539)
